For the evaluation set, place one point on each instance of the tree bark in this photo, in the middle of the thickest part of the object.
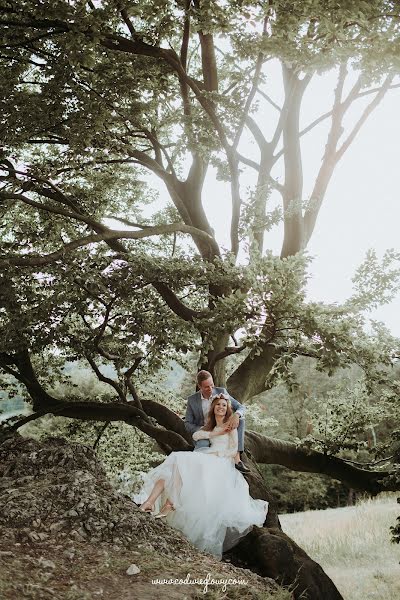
(293, 188)
(273, 451)
(262, 193)
(248, 380)
(271, 553)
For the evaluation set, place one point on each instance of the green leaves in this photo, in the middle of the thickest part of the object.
(376, 282)
(345, 420)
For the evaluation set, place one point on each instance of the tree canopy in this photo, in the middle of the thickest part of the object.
(97, 95)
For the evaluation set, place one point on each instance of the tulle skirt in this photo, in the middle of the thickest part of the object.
(213, 507)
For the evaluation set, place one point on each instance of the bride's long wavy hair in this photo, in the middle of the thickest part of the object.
(211, 420)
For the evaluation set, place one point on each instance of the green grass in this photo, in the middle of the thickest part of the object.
(353, 546)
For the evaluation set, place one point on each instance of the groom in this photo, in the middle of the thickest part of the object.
(198, 405)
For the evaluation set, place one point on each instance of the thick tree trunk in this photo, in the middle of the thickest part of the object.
(217, 367)
(293, 188)
(249, 378)
(271, 553)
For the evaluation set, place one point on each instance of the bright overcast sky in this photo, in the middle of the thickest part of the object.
(361, 209)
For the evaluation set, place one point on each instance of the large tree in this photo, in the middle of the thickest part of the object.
(96, 94)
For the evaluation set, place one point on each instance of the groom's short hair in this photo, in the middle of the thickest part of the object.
(202, 376)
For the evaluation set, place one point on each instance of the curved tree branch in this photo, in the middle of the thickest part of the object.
(38, 261)
(253, 90)
(368, 110)
(107, 412)
(175, 436)
(229, 350)
(105, 379)
(273, 451)
(332, 153)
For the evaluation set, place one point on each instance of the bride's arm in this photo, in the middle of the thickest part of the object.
(200, 434)
(231, 445)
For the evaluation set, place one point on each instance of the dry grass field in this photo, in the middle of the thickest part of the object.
(353, 546)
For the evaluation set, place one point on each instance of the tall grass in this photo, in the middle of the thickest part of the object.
(353, 546)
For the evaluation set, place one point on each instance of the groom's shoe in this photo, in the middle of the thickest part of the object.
(241, 467)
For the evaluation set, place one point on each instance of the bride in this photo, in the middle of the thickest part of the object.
(201, 493)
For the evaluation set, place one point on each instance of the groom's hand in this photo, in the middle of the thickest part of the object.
(232, 422)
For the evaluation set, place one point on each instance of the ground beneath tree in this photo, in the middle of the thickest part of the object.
(67, 534)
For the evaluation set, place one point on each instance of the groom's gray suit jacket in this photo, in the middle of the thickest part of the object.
(194, 418)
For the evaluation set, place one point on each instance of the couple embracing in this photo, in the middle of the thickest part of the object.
(197, 411)
(204, 493)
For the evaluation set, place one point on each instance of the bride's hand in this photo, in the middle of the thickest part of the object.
(216, 432)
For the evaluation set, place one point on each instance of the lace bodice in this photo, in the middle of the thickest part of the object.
(225, 445)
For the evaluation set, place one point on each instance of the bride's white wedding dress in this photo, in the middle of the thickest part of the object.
(213, 507)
